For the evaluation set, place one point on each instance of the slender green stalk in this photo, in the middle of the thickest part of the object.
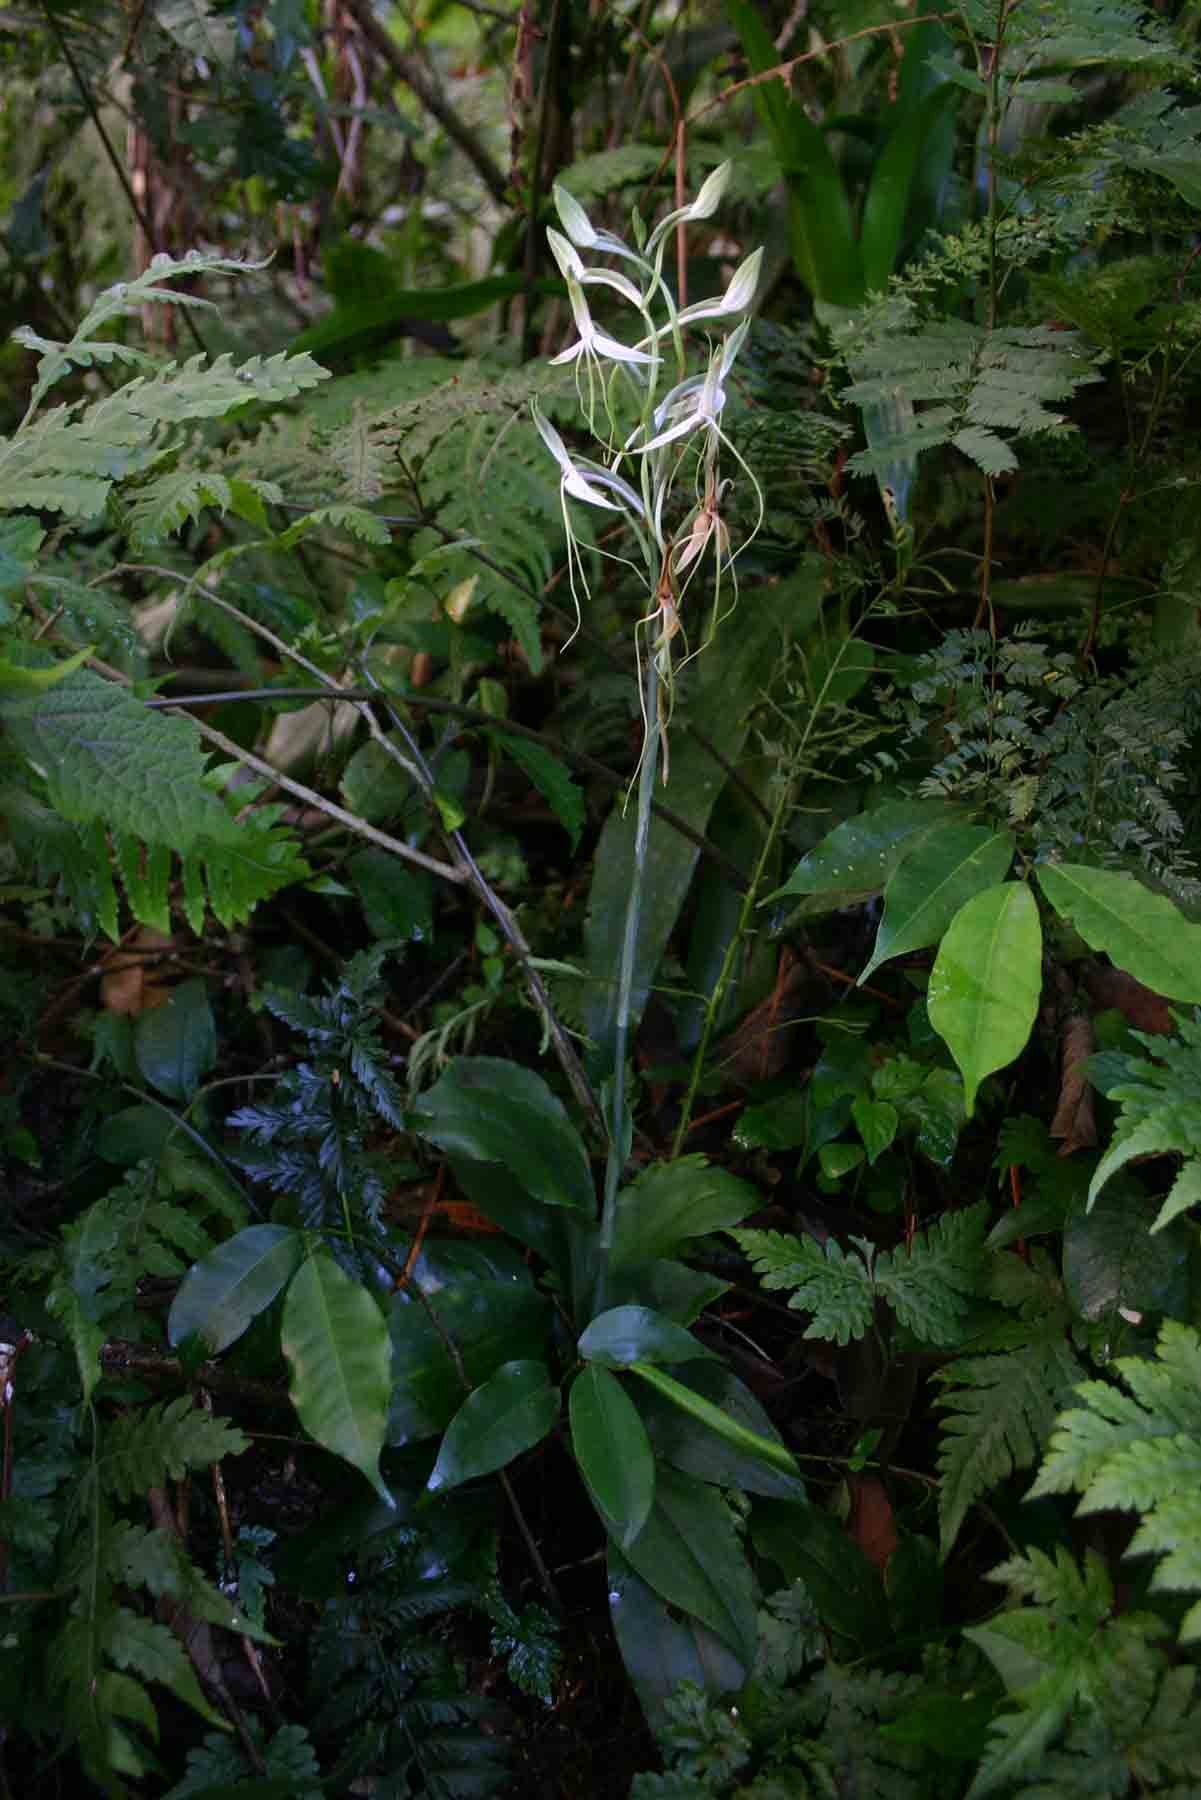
(713, 1009)
(615, 1161)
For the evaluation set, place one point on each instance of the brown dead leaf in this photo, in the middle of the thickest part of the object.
(1075, 1121)
(872, 1524)
(132, 983)
(759, 1047)
(1112, 989)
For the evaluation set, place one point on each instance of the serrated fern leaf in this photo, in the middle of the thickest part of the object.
(107, 760)
(157, 1561)
(1160, 1115)
(1141, 1451)
(832, 1284)
(930, 1285)
(998, 1414)
(125, 300)
(976, 389)
(141, 1450)
(166, 502)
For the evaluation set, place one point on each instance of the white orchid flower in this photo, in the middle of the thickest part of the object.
(703, 207)
(696, 404)
(573, 481)
(737, 297)
(593, 342)
(582, 231)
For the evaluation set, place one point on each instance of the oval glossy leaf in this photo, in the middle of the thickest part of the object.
(932, 881)
(340, 1357)
(660, 1648)
(1116, 1265)
(509, 1414)
(630, 1334)
(986, 982)
(613, 1451)
(859, 855)
(689, 1552)
(672, 1202)
(1141, 932)
(492, 1110)
(488, 1322)
(176, 1043)
(220, 1296)
(701, 1441)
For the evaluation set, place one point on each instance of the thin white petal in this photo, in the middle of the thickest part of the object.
(580, 489)
(576, 223)
(565, 254)
(607, 346)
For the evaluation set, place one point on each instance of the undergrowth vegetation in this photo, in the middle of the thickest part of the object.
(601, 912)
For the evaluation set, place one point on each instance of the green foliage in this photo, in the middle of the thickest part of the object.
(977, 390)
(1061, 1657)
(927, 1285)
(1159, 1101)
(1141, 1450)
(311, 1141)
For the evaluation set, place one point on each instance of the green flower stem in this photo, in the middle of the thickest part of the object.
(713, 1009)
(739, 1437)
(615, 1162)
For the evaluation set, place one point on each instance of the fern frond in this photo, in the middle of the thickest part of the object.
(1141, 1450)
(832, 1284)
(107, 760)
(980, 389)
(142, 1450)
(998, 1414)
(163, 504)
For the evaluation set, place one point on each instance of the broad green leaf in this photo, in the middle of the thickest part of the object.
(1117, 1264)
(1140, 932)
(488, 1322)
(986, 982)
(719, 692)
(667, 1286)
(220, 1296)
(661, 1648)
(542, 767)
(509, 1414)
(494, 1111)
(808, 1544)
(630, 1334)
(876, 1122)
(612, 1450)
(176, 1043)
(823, 242)
(336, 1341)
(858, 856)
(398, 902)
(712, 1426)
(670, 1203)
(932, 881)
(689, 1552)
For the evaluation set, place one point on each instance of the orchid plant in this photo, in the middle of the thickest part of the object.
(663, 478)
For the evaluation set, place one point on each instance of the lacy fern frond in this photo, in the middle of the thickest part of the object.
(311, 1138)
(69, 459)
(142, 1450)
(158, 508)
(1057, 1651)
(1000, 1402)
(1159, 1097)
(1140, 1450)
(125, 300)
(136, 1229)
(928, 1286)
(975, 389)
(107, 760)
